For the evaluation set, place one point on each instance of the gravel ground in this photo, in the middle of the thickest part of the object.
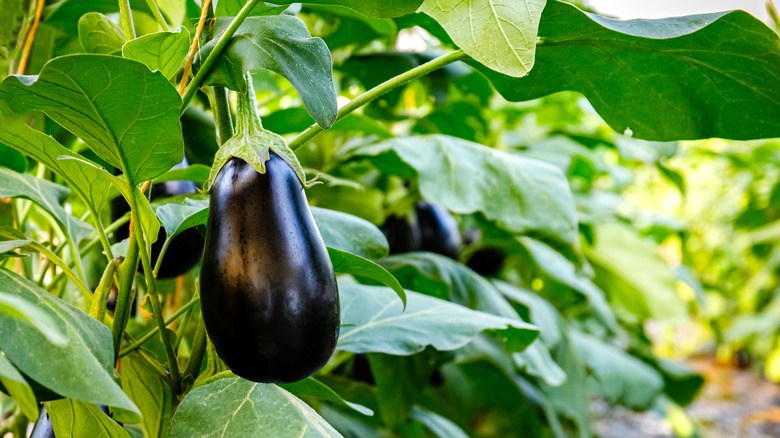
(733, 404)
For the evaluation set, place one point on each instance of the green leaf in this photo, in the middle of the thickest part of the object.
(239, 408)
(371, 8)
(502, 36)
(149, 392)
(541, 312)
(630, 269)
(88, 182)
(440, 426)
(10, 245)
(176, 218)
(17, 387)
(621, 378)
(128, 115)
(12, 159)
(521, 195)
(82, 368)
(231, 8)
(22, 310)
(283, 45)
(572, 397)
(98, 34)
(373, 321)
(310, 387)
(72, 419)
(349, 233)
(558, 269)
(163, 51)
(294, 120)
(701, 76)
(46, 194)
(348, 263)
(194, 172)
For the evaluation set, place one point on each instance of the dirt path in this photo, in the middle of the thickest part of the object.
(733, 404)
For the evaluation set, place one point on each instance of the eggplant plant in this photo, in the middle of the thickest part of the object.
(494, 156)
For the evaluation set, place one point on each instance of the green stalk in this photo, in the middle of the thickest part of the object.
(379, 90)
(151, 286)
(35, 246)
(150, 334)
(220, 105)
(98, 309)
(163, 250)
(157, 15)
(123, 299)
(127, 19)
(210, 60)
(198, 352)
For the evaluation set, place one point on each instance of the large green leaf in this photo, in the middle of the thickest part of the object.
(630, 269)
(350, 233)
(440, 426)
(89, 183)
(127, 114)
(147, 389)
(73, 419)
(17, 387)
(374, 321)
(702, 76)
(310, 387)
(82, 368)
(16, 307)
(348, 263)
(621, 378)
(521, 195)
(98, 34)
(162, 51)
(231, 8)
(240, 408)
(283, 45)
(46, 194)
(500, 35)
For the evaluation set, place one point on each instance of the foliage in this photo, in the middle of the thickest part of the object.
(484, 120)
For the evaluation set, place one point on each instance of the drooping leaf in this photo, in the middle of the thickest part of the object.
(541, 312)
(73, 418)
(194, 172)
(163, 51)
(176, 218)
(701, 76)
(500, 35)
(621, 377)
(521, 195)
(630, 269)
(17, 387)
(349, 233)
(98, 34)
(347, 263)
(311, 387)
(46, 194)
(88, 182)
(128, 115)
(80, 369)
(12, 306)
(10, 245)
(440, 426)
(149, 392)
(239, 408)
(374, 321)
(283, 45)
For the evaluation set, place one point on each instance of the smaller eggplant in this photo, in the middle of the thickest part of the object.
(438, 229)
(487, 261)
(402, 236)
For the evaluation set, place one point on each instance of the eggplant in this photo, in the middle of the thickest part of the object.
(268, 291)
(184, 251)
(438, 230)
(402, 236)
(487, 261)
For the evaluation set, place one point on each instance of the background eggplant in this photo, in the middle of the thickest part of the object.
(184, 251)
(487, 261)
(402, 236)
(438, 230)
(268, 290)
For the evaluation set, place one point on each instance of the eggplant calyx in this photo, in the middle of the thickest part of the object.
(252, 143)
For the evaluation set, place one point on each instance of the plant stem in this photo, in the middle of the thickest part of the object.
(102, 236)
(198, 351)
(157, 15)
(220, 106)
(35, 246)
(390, 84)
(210, 60)
(151, 289)
(160, 256)
(28, 41)
(123, 298)
(127, 19)
(150, 334)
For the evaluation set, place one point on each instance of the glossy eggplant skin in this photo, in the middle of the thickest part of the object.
(43, 427)
(268, 291)
(438, 229)
(184, 251)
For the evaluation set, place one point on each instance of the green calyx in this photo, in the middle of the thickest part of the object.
(251, 142)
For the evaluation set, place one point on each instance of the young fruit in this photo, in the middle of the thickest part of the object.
(268, 290)
(184, 251)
